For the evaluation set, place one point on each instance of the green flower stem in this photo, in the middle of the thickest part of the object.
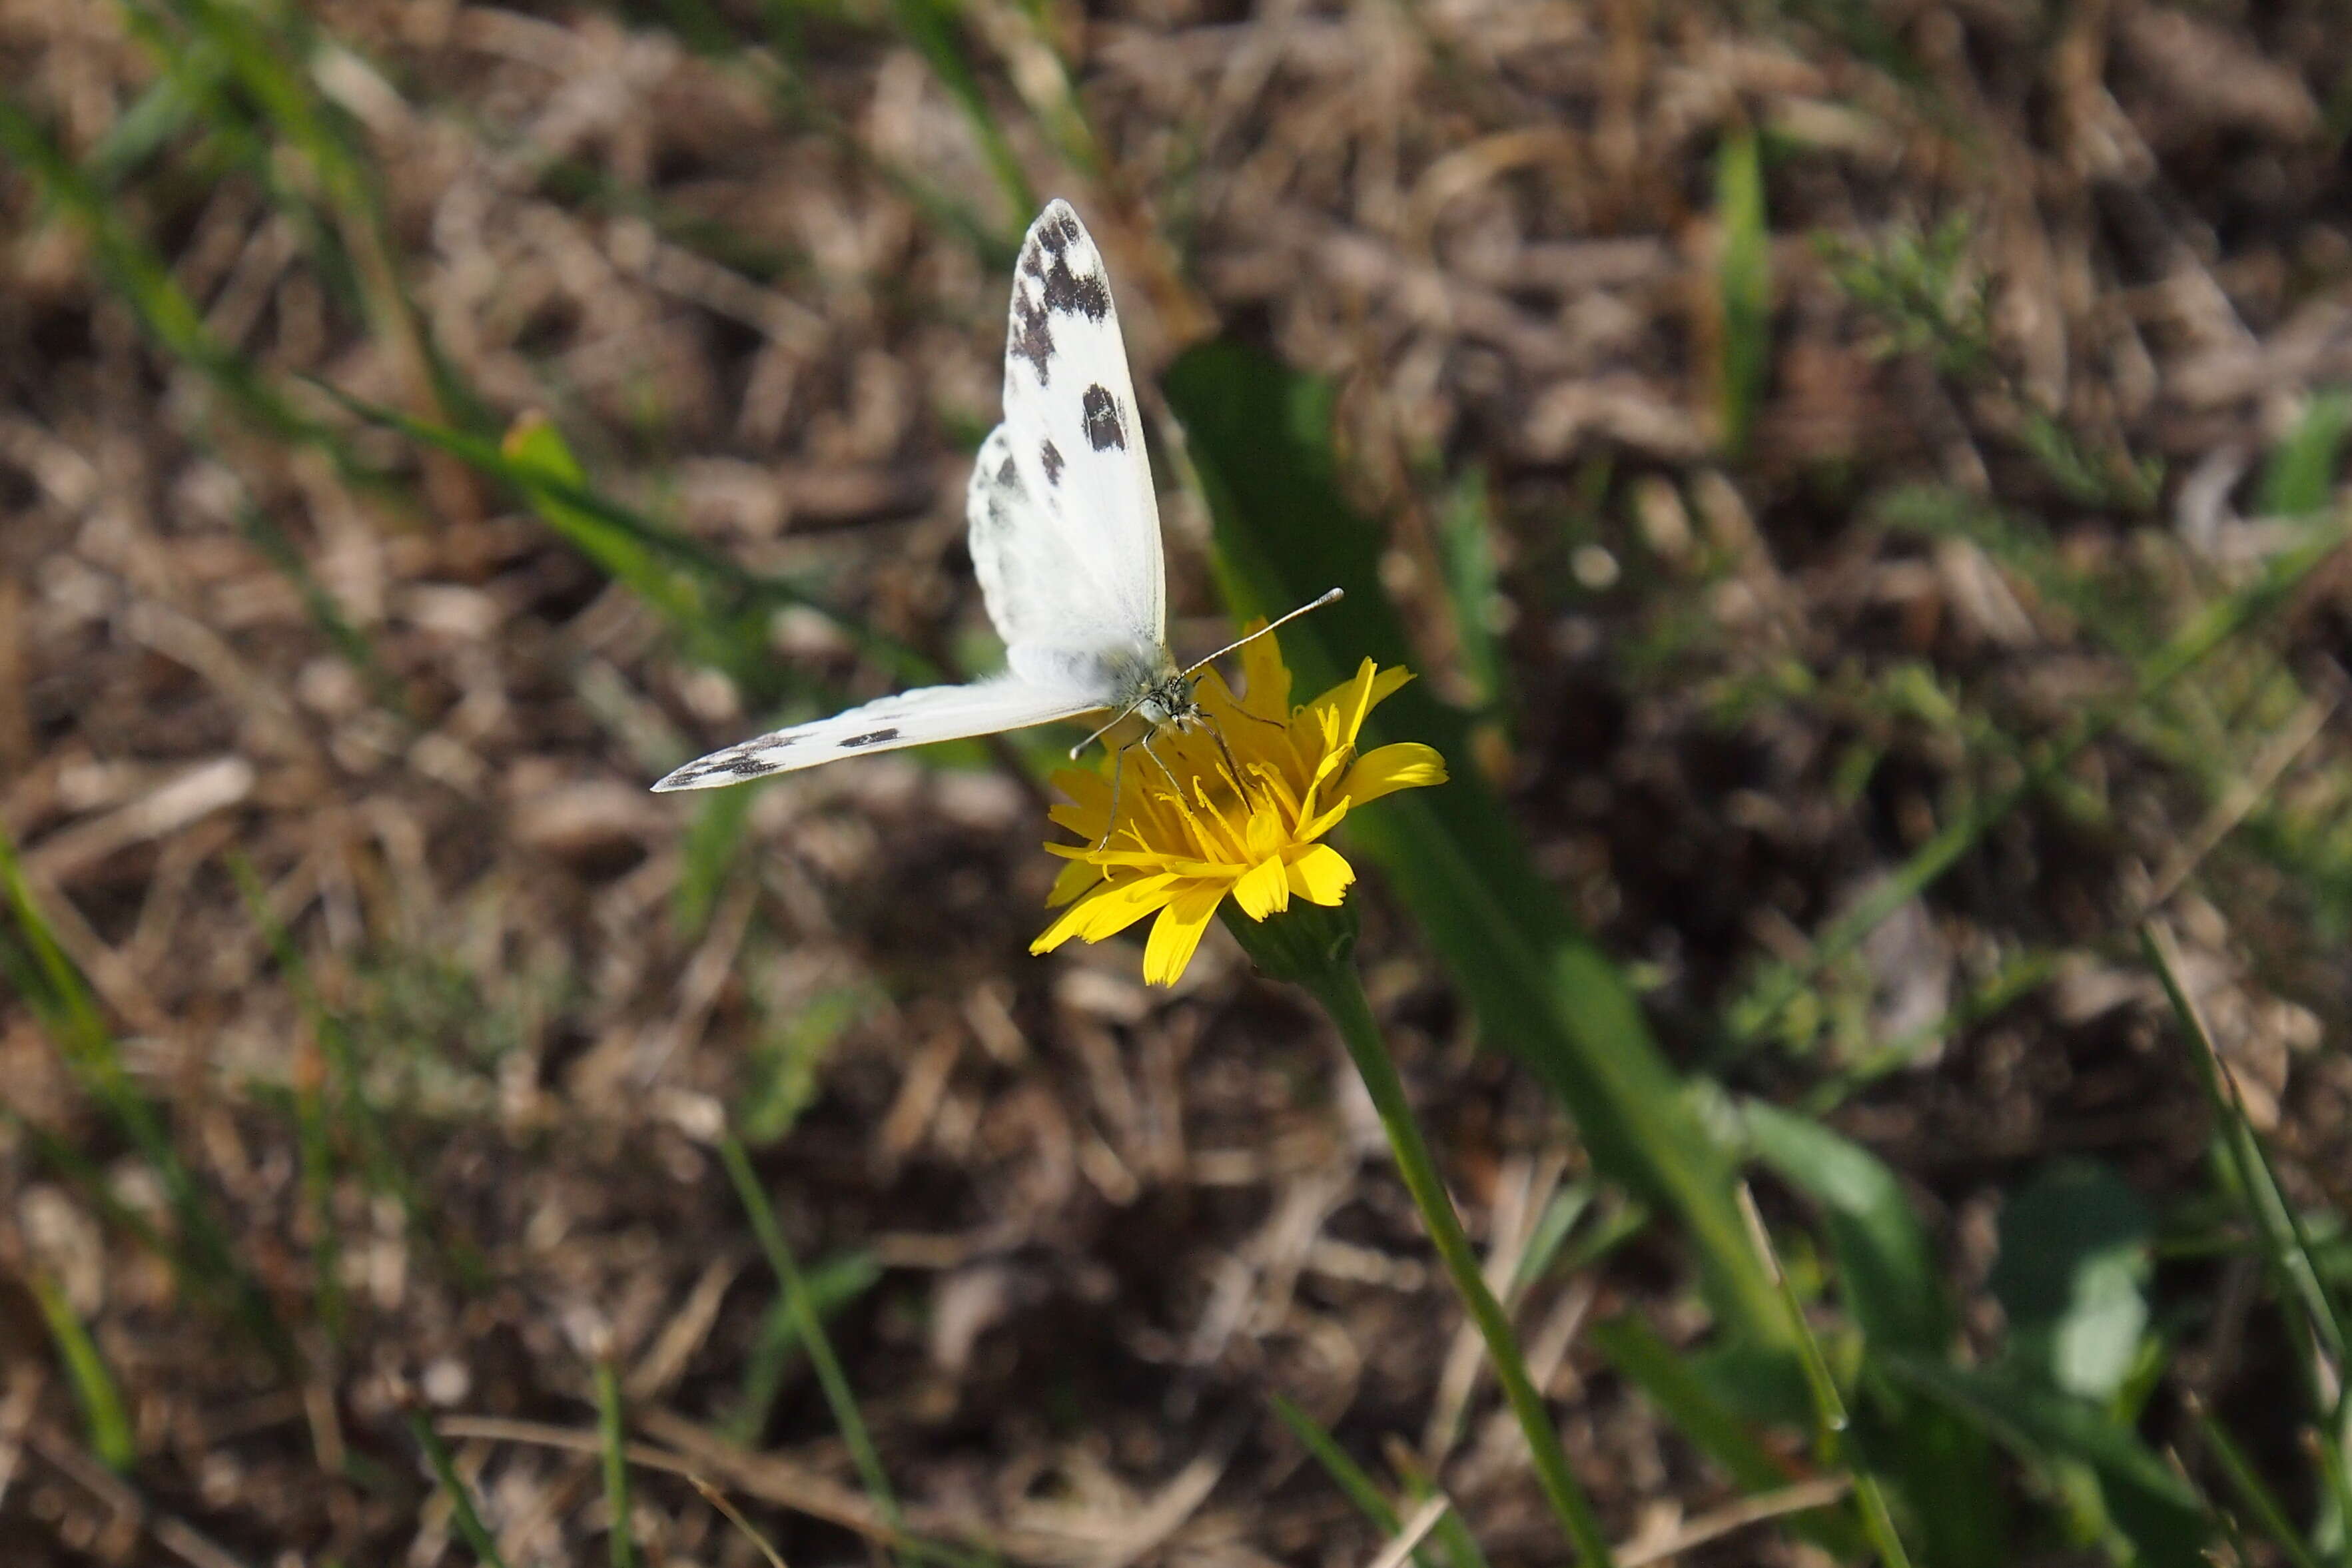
(1314, 948)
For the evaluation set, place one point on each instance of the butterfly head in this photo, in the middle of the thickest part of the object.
(1169, 701)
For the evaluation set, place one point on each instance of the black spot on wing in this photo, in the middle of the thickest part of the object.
(1105, 430)
(871, 738)
(1069, 293)
(1051, 457)
(1007, 475)
(1033, 334)
(1047, 258)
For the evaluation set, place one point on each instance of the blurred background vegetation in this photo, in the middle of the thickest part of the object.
(1862, 485)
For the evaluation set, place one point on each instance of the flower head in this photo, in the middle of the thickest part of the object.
(1189, 833)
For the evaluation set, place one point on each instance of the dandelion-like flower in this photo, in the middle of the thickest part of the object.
(1192, 835)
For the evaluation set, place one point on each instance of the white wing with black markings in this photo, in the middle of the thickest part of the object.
(1065, 537)
(914, 718)
(1075, 551)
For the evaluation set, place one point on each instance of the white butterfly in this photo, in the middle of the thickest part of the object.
(1065, 537)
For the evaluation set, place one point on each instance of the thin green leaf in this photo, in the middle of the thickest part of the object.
(1886, 1274)
(1466, 550)
(622, 540)
(846, 1418)
(461, 1499)
(37, 965)
(612, 1438)
(2300, 478)
(2286, 1245)
(101, 1406)
(1830, 1433)
(833, 1284)
(2253, 1494)
(1743, 276)
(933, 28)
(1355, 1483)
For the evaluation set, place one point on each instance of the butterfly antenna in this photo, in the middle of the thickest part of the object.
(1334, 596)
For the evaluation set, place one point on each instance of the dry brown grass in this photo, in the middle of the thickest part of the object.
(1107, 1222)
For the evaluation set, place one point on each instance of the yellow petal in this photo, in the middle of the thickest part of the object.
(1352, 698)
(1309, 831)
(1107, 911)
(1264, 890)
(1076, 878)
(1385, 684)
(1321, 875)
(1267, 676)
(1384, 770)
(1088, 790)
(1263, 837)
(1176, 934)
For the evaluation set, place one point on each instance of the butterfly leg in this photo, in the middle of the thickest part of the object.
(1118, 771)
(1233, 765)
(1144, 741)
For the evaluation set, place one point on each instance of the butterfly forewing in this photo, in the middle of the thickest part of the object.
(1082, 569)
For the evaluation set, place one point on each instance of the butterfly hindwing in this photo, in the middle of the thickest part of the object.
(914, 718)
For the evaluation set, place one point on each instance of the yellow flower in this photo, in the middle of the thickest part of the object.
(1183, 843)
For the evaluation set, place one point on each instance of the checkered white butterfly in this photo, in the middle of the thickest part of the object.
(1065, 539)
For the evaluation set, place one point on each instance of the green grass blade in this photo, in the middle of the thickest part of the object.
(1260, 437)
(833, 1284)
(70, 1165)
(846, 1418)
(271, 56)
(612, 1437)
(931, 27)
(1548, 1239)
(1743, 280)
(709, 588)
(345, 1094)
(461, 1500)
(1357, 1485)
(2300, 478)
(326, 613)
(93, 1385)
(1467, 551)
(629, 556)
(38, 966)
(2286, 1242)
(142, 277)
(2254, 1493)
(1889, 1283)
(315, 1145)
(1831, 1431)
